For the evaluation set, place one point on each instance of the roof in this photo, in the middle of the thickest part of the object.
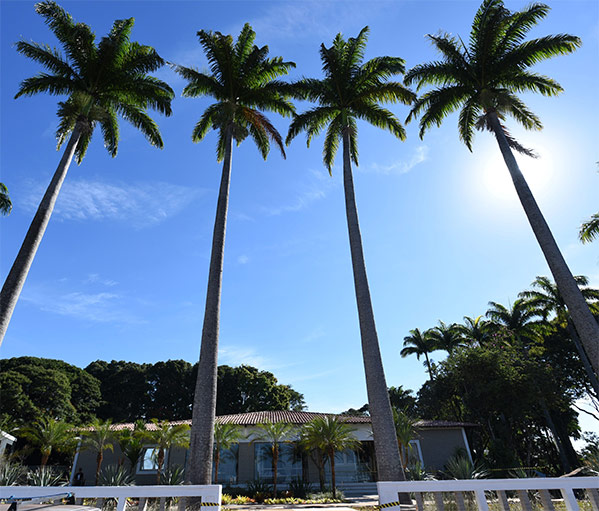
(291, 417)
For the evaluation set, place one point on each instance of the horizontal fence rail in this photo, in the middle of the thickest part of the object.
(500, 493)
(209, 495)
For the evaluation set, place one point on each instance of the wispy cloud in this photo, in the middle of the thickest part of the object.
(236, 355)
(401, 167)
(136, 204)
(100, 307)
(94, 278)
(302, 201)
(243, 259)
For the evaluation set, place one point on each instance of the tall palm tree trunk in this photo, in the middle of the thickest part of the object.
(385, 441)
(18, 273)
(583, 319)
(204, 401)
(216, 463)
(275, 466)
(428, 364)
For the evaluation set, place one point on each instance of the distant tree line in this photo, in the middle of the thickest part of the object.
(33, 388)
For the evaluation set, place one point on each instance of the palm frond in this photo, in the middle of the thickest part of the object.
(259, 123)
(138, 118)
(48, 57)
(312, 122)
(589, 230)
(331, 142)
(110, 130)
(381, 118)
(44, 82)
(467, 121)
(536, 50)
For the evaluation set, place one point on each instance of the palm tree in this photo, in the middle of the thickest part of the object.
(546, 298)
(352, 90)
(5, 202)
(589, 230)
(165, 436)
(99, 438)
(50, 435)
(132, 443)
(520, 320)
(405, 428)
(274, 433)
(418, 343)
(474, 330)
(101, 81)
(225, 435)
(483, 78)
(243, 82)
(329, 434)
(446, 337)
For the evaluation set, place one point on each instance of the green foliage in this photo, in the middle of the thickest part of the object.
(485, 75)
(11, 473)
(243, 82)
(405, 429)
(173, 475)
(115, 475)
(589, 230)
(460, 467)
(350, 90)
(247, 389)
(5, 202)
(300, 488)
(46, 476)
(101, 80)
(50, 435)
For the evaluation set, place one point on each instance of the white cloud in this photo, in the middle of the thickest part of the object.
(243, 259)
(98, 307)
(140, 205)
(94, 278)
(301, 202)
(401, 167)
(237, 355)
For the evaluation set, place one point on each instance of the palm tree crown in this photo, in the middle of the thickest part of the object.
(5, 202)
(243, 81)
(486, 74)
(101, 80)
(350, 90)
(419, 343)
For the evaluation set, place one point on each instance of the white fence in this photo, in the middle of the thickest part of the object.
(495, 492)
(210, 495)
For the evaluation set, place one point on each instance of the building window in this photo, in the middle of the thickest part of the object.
(148, 461)
(227, 465)
(289, 465)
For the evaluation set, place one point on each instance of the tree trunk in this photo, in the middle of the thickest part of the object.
(275, 462)
(216, 462)
(428, 364)
(333, 482)
(159, 462)
(44, 460)
(99, 458)
(583, 319)
(204, 404)
(18, 273)
(556, 438)
(385, 440)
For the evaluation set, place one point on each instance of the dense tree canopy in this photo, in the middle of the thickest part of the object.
(121, 391)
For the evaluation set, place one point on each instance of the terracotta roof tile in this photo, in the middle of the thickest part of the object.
(253, 418)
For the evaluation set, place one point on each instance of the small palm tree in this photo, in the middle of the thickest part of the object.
(419, 343)
(165, 436)
(102, 81)
(50, 435)
(350, 90)
(329, 434)
(589, 230)
(483, 78)
(405, 428)
(132, 442)
(274, 433)
(225, 435)
(5, 202)
(520, 320)
(243, 82)
(99, 438)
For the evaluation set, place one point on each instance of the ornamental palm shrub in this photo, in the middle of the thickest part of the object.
(102, 82)
(352, 90)
(482, 79)
(243, 81)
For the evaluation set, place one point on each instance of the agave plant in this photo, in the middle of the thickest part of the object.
(115, 475)
(11, 473)
(45, 476)
(173, 475)
(461, 467)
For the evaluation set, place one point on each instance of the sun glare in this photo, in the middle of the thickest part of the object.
(537, 171)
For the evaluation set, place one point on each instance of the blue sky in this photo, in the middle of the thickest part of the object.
(121, 272)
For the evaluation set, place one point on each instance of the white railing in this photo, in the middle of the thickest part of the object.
(494, 491)
(210, 495)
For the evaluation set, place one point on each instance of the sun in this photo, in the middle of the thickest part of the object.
(537, 171)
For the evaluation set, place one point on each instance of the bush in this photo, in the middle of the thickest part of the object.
(114, 475)
(300, 488)
(173, 475)
(45, 476)
(11, 473)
